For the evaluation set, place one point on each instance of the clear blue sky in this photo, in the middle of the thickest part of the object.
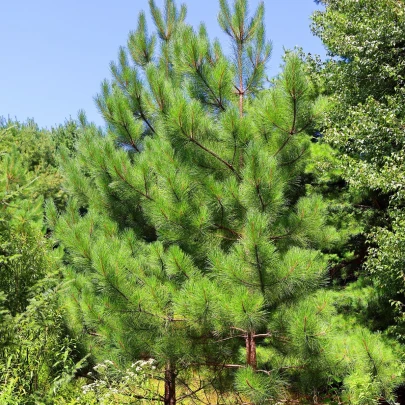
(55, 53)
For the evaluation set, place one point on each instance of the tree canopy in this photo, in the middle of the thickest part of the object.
(364, 77)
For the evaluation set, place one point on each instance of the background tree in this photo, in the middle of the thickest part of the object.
(364, 77)
(28, 175)
(36, 354)
(23, 259)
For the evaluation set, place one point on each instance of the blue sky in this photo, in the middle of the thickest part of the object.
(56, 53)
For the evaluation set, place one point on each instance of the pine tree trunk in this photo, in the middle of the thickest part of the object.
(251, 350)
(170, 384)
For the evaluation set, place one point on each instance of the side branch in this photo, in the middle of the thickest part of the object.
(218, 100)
(227, 164)
(122, 177)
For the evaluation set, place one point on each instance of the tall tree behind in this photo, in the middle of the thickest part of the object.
(23, 182)
(28, 175)
(34, 346)
(365, 78)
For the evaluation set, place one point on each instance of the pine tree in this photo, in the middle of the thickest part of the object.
(190, 235)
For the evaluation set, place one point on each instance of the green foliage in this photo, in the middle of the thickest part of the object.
(366, 124)
(260, 388)
(385, 264)
(328, 348)
(22, 260)
(368, 365)
(36, 355)
(36, 151)
(27, 175)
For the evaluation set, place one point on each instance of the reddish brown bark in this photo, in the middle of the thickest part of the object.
(170, 384)
(251, 350)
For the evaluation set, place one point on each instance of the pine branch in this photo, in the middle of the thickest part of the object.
(263, 335)
(292, 130)
(218, 100)
(143, 116)
(122, 177)
(132, 142)
(201, 146)
(227, 164)
(278, 237)
(260, 197)
(284, 144)
(259, 269)
(295, 159)
(280, 128)
(375, 370)
(180, 268)
(239, 235)
(212, 364)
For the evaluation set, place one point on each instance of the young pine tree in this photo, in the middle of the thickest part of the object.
(189, 230)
